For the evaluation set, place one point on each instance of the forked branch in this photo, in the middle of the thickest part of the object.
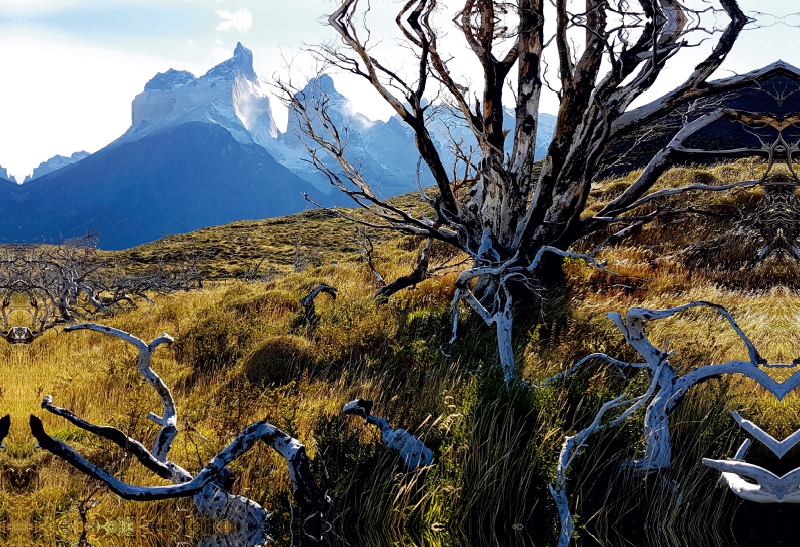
(210, 487)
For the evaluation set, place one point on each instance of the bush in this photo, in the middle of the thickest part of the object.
(274, 304)
(214, 343)
(279, 360)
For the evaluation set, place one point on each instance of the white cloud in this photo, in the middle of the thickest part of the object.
(242, 20)
(219, 42)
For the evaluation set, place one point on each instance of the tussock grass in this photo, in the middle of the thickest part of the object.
(242, 354)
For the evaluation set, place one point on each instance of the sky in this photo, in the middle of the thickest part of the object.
(69, 69)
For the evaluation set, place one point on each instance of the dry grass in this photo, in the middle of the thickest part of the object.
(241, 354)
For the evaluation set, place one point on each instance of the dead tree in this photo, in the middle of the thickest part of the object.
(210, 488)
(503, 209)
(310, 313)
(665, 391)
(410, 448)
(57, 285)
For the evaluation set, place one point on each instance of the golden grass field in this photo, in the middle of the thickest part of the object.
(241, 355)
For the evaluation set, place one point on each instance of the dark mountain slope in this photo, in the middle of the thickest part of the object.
(165, 183)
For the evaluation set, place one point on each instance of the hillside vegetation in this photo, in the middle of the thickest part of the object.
(242, 354)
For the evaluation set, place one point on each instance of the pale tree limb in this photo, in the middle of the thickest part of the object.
(616, 362)
(210, 487)
(666, 389)
(672, 387)
(210, 496)
(501, 316)
(169, 419)
(420, 274)
(766, 487)
(762, 486)
(165, 470)
(779, 448)
(409, 447)
(573, 444)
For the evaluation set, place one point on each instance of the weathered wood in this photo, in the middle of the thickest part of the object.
(419, 275)
(169, 418)
(310, 314)
(665, 390)
(762, 486)
(766, 487)
(410, 448)
(209, 488)
(165, 470)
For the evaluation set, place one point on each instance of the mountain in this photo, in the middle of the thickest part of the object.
(190, 159)
(385, 151)
(55, 163)
(176, 180)
(228, 95)
(203, 151)
(5, 176)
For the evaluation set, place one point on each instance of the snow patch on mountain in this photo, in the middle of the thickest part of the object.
(231, 96)
(55, 163)
(385, 151)
(228, 95)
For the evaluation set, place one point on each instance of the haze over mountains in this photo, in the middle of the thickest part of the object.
(203, 151)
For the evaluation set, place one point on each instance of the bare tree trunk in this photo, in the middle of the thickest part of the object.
(503, 211)
(409, 447)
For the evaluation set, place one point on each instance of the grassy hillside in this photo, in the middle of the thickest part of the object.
(242, 354)
(228, 251)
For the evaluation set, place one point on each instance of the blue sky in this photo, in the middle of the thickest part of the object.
(70, 68)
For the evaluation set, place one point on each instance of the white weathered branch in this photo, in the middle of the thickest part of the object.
(409, 447)
(209, 488)
(768, 487)
(616, 362)
(665, 390)
(779, 448)
(169, 420)
(206, 487)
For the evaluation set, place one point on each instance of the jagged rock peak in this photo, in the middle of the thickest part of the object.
(55, 163)
(324, 83)
(169, 80)
(4, 175)
(240, 64)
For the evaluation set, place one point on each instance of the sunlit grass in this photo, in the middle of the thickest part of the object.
(242, 354)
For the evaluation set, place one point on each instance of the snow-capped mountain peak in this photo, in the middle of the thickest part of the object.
(229, 95)
(169, 80)
(240, 65)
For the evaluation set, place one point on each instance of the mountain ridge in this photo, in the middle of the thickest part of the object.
(204, 151)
